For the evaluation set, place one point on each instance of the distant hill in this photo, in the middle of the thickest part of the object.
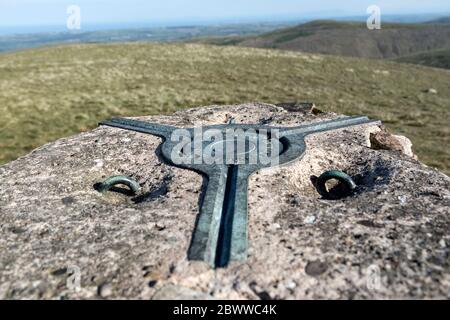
(49, 93)
(349, 39)
(161, 34)
(436, 58)
(443, 20)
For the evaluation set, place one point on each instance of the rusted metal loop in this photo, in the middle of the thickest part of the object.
(115, 180)
(338, 175)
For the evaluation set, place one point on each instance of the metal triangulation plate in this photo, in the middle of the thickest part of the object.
(220, 235)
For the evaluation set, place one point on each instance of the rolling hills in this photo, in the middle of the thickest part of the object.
(349, 39)
(14, 42)
(48, 93)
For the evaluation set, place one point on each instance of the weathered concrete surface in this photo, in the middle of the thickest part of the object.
(301, 246)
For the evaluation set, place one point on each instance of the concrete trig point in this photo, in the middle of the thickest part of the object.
(221, 235)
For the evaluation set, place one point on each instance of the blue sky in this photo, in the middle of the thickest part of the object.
(53, 12)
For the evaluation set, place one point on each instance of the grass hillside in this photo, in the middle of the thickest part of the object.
(54, 92)
(349, 39)
(435, 58)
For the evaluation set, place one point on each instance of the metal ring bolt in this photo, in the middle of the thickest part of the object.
(338, 175)
(110, 182)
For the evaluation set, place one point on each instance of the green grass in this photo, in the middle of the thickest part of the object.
(54, 92)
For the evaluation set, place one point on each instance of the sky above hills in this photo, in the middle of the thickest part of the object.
(53, 12)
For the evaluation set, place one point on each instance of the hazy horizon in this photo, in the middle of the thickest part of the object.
(27, 16)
